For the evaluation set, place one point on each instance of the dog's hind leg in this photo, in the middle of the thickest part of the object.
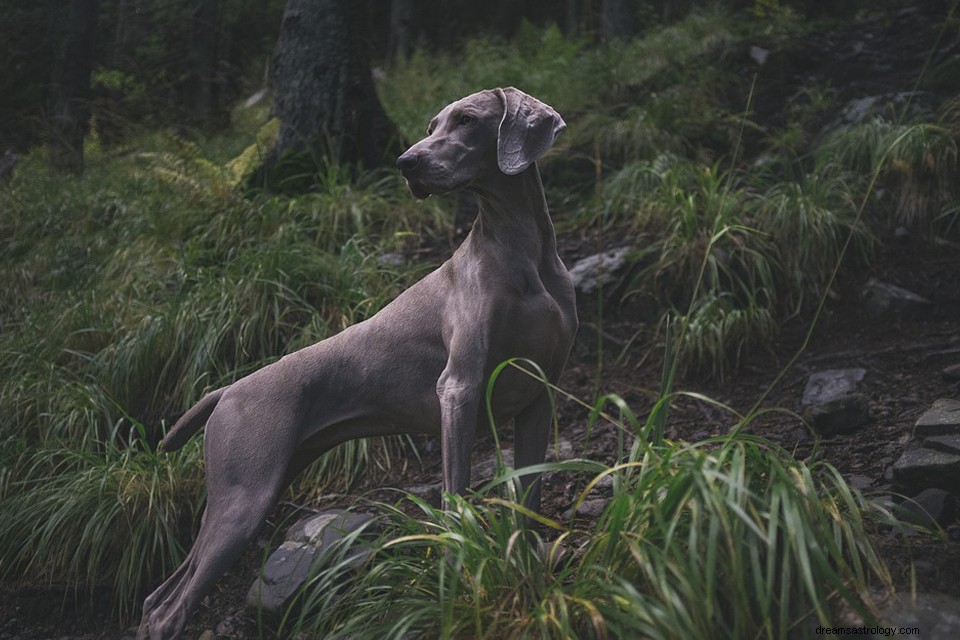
(244, 480)
(230, 522)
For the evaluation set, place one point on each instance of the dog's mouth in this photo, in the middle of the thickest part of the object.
(418, 189)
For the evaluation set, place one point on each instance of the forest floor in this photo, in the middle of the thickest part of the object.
(903, 357)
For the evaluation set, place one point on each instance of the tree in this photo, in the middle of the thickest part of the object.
(71, 112)
(323, 93)
(201, 94)
(616, 22)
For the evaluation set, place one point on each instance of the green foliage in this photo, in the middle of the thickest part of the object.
(126, 294)
(916, 164)
(103, 515)
(727, 538)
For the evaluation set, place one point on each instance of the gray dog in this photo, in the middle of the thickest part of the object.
(418, 366)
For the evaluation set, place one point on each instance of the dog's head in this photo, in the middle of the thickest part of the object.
(499, 130)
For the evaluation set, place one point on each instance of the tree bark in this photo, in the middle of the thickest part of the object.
(201, 91)
(399, 41)
(616, 22)
(323, 92)
(71, 111)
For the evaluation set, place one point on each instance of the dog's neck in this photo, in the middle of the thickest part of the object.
(520, 223)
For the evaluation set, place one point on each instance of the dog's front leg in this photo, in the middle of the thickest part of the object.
(459, 405)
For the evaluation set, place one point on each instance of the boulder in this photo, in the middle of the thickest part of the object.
(951, 373)
(942, 418)
(593, 272)
(840, 415)
(934, 615)
(307, 545)
(832, 402)
(824, 386)
(930, 508)
(883, 298)
(922, 468)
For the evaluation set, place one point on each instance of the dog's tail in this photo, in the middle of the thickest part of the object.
(195, 417)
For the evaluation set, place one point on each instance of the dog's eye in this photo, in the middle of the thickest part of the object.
(465, 119)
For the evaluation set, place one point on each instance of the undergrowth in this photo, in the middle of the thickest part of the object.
(127, 293)
(727, 538)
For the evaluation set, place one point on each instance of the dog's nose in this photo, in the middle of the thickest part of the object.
(408, 161)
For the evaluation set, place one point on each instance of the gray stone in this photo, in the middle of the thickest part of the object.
(908, 104)
(919, 469)
(943, 418)
(824, 386)
(395, 260)
(947, 444)
(951, 373)
(839, 415)
(759, 54)
(592, 272)
(324, 529)
(286, 570)
(589, 508)
(883, 298)
(930, 508)
(832, 403)
(563, 446)
(486, 470)
(860, 483)
(306, 547)
(935, 615)
(429, 493)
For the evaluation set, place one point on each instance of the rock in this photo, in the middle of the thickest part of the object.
(905, 104)
(942, 418)
(286, 570)
(306, 547)
(324, 529)
(832, 403)
(561, 445)
(759, 54)
(947, 444)
(935, 615)
(930, 508)
(429, 493)
(485, 471)
(7, 162)
(395, 260)
(593, 272)
(883, 298)
(840, 415)
(824, 386)
(225, 627)
(919, 469)
(207, 635)
(590, 508)
(951, 373)
(860, 483)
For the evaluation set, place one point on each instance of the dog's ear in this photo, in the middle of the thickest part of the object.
(528, 129)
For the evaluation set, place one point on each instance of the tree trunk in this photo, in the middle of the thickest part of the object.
(323, 93)
(71, 111)
(201, 91)
(399, 41)
(616, 22)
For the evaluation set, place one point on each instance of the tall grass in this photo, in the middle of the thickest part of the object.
(125, 295)
(103, 517)
(730, 537)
